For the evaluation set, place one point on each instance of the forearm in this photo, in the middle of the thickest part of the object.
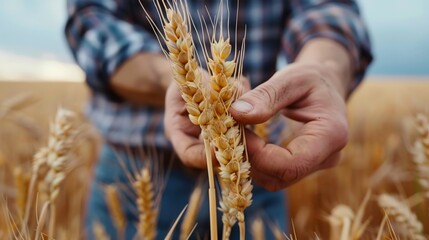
(329, 31)
(332, 57)
(103, 42)
(143, 79)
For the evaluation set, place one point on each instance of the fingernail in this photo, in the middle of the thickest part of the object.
(242, 106)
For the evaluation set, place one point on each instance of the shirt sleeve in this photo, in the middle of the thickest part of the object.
(101, 36)
(337, 20)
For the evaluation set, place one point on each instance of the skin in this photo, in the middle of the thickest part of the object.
(143, 79)
(312, 90)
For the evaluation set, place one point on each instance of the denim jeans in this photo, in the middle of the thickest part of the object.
(181, 181)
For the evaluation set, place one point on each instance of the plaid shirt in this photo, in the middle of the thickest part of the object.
(102, 34)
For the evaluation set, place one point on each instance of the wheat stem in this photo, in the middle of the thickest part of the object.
(189, 220)
(212, 191)
(42, 220)
(181, 49)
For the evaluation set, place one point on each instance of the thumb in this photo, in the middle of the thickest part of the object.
(263, 102)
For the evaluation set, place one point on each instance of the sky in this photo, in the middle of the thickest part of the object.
(399, 31)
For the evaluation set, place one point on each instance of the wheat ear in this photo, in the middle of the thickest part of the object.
(340, 222)
(181, 51)
(50, 161)
(227, 137)
(60, 143)
(148, 214)
(402, 214)
(115, 208)
(421, 153)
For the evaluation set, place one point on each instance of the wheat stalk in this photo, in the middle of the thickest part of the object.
(115, 208)
(148, 214)
(60, 143)
(181, 51)
(225, 133)
(227, 136)
(49, 162)
(21, 184)
(258, 230)
(402, 214)
(189, 220)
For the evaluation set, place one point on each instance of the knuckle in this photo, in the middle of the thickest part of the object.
(267, 95)
(291, 174)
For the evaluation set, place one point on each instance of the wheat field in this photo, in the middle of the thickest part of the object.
(377, 169)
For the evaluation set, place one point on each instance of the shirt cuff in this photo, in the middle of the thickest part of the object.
(337, 22)
(114, 43)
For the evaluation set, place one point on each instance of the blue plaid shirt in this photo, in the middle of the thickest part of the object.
(102, 34)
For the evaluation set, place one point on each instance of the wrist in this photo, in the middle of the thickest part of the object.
(333, 59)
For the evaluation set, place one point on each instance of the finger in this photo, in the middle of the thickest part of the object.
(189, 149)
(263, 102)
(181, 132)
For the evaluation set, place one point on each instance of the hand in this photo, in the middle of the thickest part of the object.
(143, 79)
(181, 132)
(306, 93)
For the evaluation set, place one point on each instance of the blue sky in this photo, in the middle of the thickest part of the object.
(399, 32)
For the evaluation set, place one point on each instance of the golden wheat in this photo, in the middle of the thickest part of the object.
(115, 208)
(227, 137)
(49, 163)
(148, 213)
(421, 153)
(181, 51)
(402, 214)
(194, 205)
(21, 185)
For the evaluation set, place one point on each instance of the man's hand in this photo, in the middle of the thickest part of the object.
(305, 93)
(311, 91)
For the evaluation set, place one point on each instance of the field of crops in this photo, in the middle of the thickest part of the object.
(380, 190)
